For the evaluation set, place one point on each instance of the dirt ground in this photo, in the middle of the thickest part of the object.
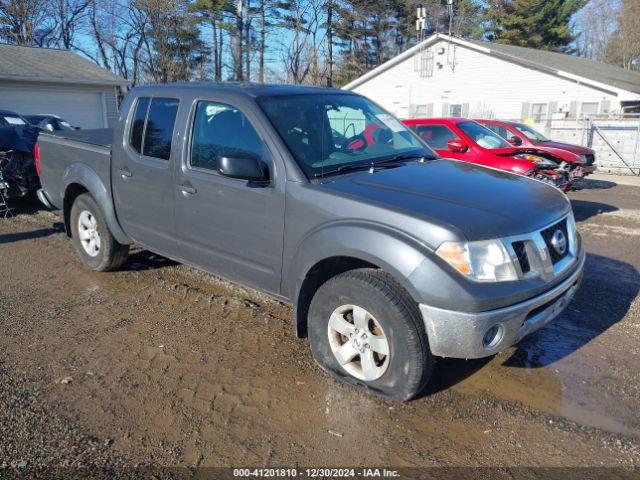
(159, 364)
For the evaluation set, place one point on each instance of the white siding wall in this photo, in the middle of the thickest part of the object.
(485, 86)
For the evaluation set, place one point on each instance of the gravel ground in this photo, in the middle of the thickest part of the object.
(164, 366)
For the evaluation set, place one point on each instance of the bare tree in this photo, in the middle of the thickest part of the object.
(596, 22)
(624, 47)
(118, 29)
(20, 20)
(301, 56)
(68, 16)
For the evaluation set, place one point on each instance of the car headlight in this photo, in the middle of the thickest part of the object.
(482, 261)
(540, 161)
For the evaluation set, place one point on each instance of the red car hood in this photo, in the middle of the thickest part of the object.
(577, 149)
(543, 151)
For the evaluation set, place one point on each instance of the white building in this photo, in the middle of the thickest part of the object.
(58, 82)
(446, 76)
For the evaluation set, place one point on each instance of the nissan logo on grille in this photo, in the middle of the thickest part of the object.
(559, 242)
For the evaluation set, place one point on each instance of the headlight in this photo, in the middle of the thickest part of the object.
(540, 161)
(483, 261)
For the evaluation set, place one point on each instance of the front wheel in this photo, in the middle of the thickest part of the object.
(365, 330)
(96, 246)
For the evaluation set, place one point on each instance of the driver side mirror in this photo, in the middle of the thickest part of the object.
(514, 140)
(244, 167)
(456, 145)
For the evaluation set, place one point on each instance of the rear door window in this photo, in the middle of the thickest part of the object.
(158, 130)
(436, 136)
(137, 126)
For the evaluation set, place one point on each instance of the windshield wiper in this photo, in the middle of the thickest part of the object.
(402, 156)
(388, 162)
(358, 166)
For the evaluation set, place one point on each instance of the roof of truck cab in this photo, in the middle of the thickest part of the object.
(249, 88)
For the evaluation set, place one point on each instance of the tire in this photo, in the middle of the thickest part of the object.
(390, 314)
(109, 254)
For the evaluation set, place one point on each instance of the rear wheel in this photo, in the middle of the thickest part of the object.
(96, 246)
(365, 330)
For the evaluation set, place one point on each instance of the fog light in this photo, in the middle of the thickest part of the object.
(493, 337)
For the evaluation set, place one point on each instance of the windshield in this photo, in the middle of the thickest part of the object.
(327, 133)
(530, 133)
(483, 136)
(64, 125)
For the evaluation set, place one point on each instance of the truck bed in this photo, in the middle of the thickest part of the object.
(62, 152)
(102, 137)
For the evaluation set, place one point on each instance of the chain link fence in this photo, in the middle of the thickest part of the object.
(615, 139)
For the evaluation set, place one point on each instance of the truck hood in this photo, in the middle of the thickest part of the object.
(471, 201)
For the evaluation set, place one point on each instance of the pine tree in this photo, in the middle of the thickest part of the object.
(542, 24)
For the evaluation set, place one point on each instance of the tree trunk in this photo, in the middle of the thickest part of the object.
(247, 41)
(238, 40)
(220, 50)
(263, 35)
(330, 43)
(214, 31)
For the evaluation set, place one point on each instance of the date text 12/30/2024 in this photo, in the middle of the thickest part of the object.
(315, 473)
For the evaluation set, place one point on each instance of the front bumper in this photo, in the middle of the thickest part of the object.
(464, 335)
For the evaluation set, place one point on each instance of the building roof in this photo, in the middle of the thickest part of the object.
(583, 67)
(52, 65)
(576, 68)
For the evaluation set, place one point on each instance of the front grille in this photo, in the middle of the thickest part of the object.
(589, 159)
(547, 235)
(523, 258)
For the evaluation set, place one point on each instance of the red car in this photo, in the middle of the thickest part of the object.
(466, 140)
(520, 134)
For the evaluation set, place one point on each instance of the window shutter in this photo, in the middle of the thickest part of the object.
(573, 110)
(526, 109)
(553, 108)
(605, 106)
(429, 110)
(465, 110)
(445, 109)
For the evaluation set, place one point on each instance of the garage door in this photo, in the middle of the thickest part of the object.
(81, 107)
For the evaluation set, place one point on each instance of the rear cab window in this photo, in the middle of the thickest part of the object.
(152, 126)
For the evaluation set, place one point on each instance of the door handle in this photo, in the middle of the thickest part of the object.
(187, 190)
(125, 173)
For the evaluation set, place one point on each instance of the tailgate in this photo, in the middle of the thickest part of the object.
(60, 155)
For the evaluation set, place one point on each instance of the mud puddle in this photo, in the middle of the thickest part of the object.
(171, 366)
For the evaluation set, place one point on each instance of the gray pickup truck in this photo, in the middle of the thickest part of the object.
(389, 255)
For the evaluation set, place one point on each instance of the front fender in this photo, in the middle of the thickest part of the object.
(81, 174)
(388, 249)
